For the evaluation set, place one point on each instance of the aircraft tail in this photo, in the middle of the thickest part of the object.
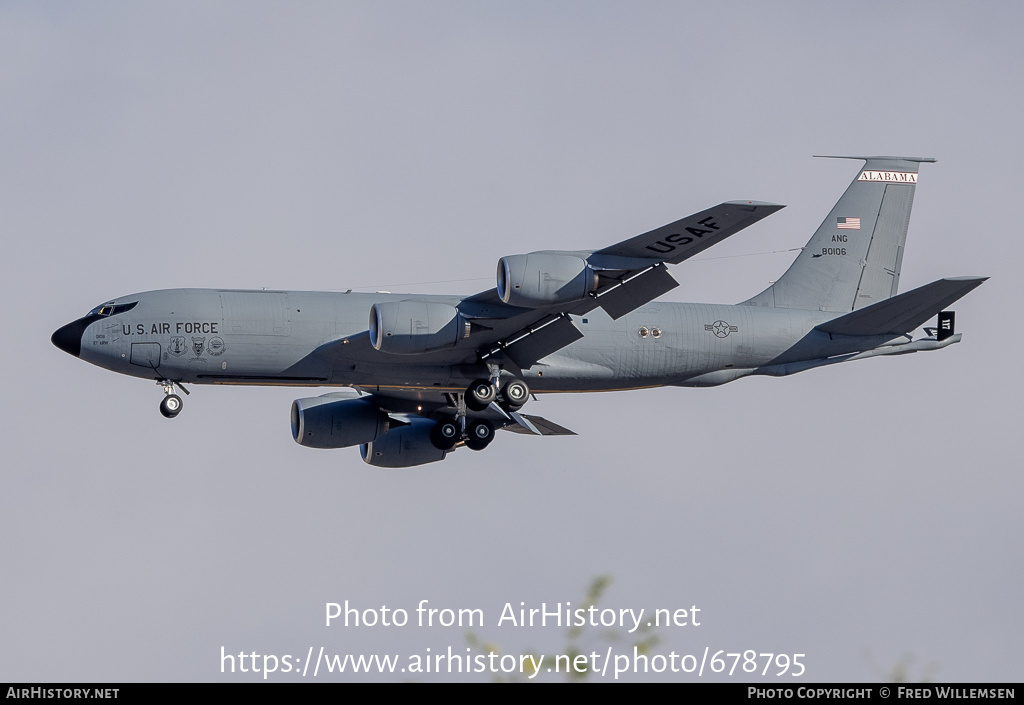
(853, 259)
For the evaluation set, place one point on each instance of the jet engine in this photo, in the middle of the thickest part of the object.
(323, 422)
(403, 447)
(544, 279)
(412, 327)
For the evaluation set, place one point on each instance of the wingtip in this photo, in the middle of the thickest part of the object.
(967, 279)
(757, 204)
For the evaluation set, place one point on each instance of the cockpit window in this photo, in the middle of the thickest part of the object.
(111, 309)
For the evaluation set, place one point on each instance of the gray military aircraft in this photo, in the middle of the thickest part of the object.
(428, 374)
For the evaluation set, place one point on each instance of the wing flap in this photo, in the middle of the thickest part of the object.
(637, 291)
(541, 342)
(545, 427)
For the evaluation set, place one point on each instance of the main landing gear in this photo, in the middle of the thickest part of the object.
(171, 404)
(482, 392)
(479, 396)
(479, 434)
(447, 433)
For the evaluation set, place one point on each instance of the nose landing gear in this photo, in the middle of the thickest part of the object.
(170, 405)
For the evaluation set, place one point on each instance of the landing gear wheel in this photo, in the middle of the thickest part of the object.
(445, 434)
(480, 394)
(516, 393)
(171, 406)
(480, 433)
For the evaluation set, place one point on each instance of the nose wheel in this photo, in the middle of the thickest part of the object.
(171, 405)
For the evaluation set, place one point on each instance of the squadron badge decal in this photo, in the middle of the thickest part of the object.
(177, 346)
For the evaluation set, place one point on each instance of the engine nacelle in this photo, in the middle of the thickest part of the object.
(403, 446)
(544, 279)
(323, 422)
(412, 327)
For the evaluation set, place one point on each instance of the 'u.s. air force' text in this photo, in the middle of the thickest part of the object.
(165, 328)
(558, 614)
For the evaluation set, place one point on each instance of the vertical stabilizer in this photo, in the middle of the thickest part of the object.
(853, 259)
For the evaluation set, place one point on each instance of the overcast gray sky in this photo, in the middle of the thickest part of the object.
(861, 514)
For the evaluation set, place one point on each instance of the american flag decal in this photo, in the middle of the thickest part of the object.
(848, 223)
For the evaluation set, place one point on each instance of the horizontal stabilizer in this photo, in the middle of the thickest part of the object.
(904, 312)
(880, 159)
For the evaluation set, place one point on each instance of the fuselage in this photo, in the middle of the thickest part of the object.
(302, 338)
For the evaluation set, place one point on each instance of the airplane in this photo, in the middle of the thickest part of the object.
(421, 376)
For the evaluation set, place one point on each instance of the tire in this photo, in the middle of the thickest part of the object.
(480, 394)
(171, 406)
(480, 433)
(445, 434)
(516, 393)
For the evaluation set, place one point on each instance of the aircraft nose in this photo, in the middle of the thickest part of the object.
(69, 338)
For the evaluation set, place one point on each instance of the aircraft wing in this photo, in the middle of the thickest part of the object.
(678, 241)
(628, 275)
(529, 314)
